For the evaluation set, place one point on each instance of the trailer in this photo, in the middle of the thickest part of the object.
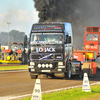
(92, 39)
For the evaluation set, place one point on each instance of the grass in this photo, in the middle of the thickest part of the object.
(21, 67)
(72, 94)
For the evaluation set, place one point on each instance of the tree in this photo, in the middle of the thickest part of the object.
(14, 36)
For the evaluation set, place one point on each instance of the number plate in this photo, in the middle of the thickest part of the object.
(45, 70)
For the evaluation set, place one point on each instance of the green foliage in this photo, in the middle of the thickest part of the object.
(14, 36)
(72, 94)
(13, 67)
(28, 98)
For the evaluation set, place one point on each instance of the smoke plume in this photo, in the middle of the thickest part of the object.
(77, 12)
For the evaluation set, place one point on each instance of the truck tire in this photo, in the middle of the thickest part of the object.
(34, 76)
(23, 60)
(68, 74)
(80, 73)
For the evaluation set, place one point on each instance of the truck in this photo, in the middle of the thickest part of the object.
(91, 51)
(92, 39)
(15, 54)
(50, 51)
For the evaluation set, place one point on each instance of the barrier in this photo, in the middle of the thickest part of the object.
(86, 85)
(37, 91)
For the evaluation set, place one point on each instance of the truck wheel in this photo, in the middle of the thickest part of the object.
(68, 74)
(33, 76)
(23, 60)
(80, 73)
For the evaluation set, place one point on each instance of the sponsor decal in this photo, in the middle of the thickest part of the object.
(75, 56)
(45, 57)
(49, 27)
(91, 47)
(45, 49)
(39, 27)
(54, 27)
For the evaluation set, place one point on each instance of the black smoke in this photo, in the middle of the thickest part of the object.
(54, 10)
(77, 12)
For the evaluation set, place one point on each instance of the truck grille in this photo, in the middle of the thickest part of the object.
(46, 56)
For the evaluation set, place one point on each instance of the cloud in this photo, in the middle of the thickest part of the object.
(21, 20)
(26, 16)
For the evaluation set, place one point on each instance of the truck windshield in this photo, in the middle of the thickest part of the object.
(47, 38)
(92, 37)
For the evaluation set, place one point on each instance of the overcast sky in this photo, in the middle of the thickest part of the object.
(20, 13)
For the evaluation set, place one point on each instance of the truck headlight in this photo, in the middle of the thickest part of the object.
(60, 63)
(43, 65)
(50, 65)
(47, 65)
(30, 66)
(39, 65)
(32, 63)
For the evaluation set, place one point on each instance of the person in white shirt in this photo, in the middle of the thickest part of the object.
(93, 38)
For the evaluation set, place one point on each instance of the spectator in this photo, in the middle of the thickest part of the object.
(38, 38)
(93, 38)
(60, 38)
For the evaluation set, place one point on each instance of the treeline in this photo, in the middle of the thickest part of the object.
(12, 36)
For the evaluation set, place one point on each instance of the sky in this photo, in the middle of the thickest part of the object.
(21, 14)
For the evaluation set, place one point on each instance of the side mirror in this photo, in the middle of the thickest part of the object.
(25, 40)
(68, 39)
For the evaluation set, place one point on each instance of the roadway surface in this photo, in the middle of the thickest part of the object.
(20, 83)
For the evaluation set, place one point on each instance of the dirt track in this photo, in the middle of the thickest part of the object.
(20, 83)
